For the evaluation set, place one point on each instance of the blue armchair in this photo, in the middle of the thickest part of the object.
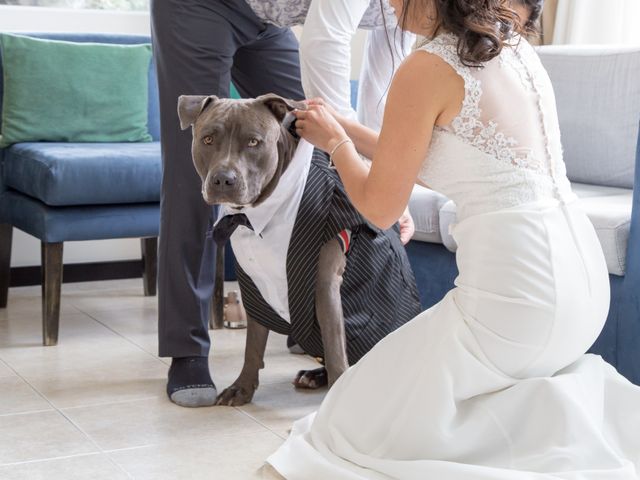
(60, 192)
(598, 97)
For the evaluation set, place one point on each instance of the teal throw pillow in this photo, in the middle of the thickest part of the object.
(73, 92)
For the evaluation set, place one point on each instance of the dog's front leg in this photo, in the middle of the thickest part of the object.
(331, 267)
(242, 390)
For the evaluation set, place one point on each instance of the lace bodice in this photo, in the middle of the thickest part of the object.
(503, 149)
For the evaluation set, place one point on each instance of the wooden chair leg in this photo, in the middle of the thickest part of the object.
(216, 317)
(6, 234)
(51, 254)
(149, 247)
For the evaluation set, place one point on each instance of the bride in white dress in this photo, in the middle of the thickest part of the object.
(492, 382)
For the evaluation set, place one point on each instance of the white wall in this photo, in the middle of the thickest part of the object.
(40, 19)
(26, 249)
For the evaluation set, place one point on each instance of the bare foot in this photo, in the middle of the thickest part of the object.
(311, 379)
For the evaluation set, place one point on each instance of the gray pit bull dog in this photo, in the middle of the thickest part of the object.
(240, 150)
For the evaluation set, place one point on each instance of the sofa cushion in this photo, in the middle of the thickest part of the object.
(425, 205)
(85, 173)
(75, 92)
(447, 219)
(598, 97)
(608, 208)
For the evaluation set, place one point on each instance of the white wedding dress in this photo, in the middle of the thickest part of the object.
(492, 382)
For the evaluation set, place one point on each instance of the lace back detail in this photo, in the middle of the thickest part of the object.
(503, 149)
(487, 136)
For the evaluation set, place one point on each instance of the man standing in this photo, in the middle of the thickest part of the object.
(200, 46)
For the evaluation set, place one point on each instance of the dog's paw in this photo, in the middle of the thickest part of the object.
(235, 395)
(311, 379)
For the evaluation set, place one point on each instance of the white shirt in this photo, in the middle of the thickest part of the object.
(262, 252)
(325, 49)
(325, 56)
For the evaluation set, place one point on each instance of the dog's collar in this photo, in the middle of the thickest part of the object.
(289, 123)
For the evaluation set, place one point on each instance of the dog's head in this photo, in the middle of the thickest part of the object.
(240, 147)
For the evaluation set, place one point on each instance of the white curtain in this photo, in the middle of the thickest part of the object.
(597, 22)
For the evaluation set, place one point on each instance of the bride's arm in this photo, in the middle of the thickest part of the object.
(364, 138)
(424, 91)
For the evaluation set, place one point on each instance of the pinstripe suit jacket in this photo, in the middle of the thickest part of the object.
(378, 292)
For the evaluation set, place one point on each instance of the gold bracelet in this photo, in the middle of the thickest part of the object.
(333, 151)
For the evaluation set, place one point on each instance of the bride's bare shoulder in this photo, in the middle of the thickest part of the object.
(426, 78)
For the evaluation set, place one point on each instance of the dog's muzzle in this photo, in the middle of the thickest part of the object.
(223, 186)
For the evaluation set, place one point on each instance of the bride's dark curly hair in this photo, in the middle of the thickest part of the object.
(532, 26)
(483, 27)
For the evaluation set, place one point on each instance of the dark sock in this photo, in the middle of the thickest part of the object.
(189, 383)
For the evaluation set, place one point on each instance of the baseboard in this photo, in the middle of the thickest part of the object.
(80, 272)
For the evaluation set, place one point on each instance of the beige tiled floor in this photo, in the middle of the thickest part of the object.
(94, 406)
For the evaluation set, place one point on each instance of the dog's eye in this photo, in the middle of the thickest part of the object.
(253, 142)
(208, 140)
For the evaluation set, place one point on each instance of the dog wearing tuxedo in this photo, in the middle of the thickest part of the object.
(308, 264)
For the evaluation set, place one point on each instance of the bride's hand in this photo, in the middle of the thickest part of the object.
(407, 227)
(318, 126)
(320, 101)
(342, 119)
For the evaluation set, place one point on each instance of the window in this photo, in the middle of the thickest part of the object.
(89, 4)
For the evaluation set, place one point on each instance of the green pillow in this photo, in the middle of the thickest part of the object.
(73, 92)
(234, 92)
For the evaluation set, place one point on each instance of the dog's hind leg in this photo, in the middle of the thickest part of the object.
(331, 267)
(242, 390)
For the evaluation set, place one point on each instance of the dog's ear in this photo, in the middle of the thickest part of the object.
(280, 106)
(191, 106)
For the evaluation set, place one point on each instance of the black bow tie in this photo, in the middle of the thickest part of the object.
(227, 225)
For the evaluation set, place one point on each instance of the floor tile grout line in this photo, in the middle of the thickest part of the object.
(65, 457)
(118, 466)
(81, 431)
(35, 390)
(115, 402)
(41, 460)
(6, 366)
(77, 427)
(40, 410)
(55, 407)
(88, 437)
(180, 442)
(112, 451)
(259, 422)
(120, 335)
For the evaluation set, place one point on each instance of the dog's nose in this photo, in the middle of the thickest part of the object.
(224, 180)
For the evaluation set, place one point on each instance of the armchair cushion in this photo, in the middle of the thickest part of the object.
(608, 208)
(64, 174)
(425, 205)
(80, 222)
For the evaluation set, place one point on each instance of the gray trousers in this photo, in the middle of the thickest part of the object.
(199, 47)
